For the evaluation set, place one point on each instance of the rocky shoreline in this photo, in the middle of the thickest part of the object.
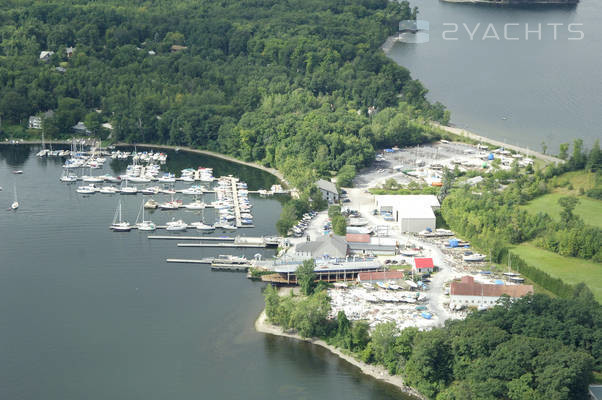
(262, 325)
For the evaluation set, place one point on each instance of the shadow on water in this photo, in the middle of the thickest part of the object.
(15, 155)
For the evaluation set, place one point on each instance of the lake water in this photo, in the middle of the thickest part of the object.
(88, 313)
(522, 91)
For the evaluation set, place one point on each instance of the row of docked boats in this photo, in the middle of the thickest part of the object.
(143, 224)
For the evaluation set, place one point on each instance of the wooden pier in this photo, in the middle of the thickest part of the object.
(173, 237)
(215, 263)
(224, 244)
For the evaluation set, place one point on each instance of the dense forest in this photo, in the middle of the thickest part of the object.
(533, 348)
(297, 85)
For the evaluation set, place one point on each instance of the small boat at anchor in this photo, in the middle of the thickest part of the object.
(119, 225)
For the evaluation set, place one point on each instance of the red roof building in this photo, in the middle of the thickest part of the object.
(358, 238)
(379, 276)
(467, 292)
(424, 264)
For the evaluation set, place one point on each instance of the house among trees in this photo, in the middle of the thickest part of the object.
(45, 55)
(37, 121)
(176, 47)
(468, 293)
(329, 191)
(81, 128)
(69, 51)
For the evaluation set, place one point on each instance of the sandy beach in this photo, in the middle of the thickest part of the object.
(262, 325)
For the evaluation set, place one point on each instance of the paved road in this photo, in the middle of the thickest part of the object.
(364, 203)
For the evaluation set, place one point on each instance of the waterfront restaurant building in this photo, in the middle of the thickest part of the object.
(326, 270)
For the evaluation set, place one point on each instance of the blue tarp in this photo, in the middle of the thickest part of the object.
(426, 315)
(490, 156)
(499, 282)
(453, 242)
(389, 150)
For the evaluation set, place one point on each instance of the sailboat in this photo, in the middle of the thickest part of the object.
(44, 151)
(202, 226)
(15, 204)
(128, 189)
(118, 224)
(141, 224)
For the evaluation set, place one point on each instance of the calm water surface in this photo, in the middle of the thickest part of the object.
(88, 313)
(522, 91)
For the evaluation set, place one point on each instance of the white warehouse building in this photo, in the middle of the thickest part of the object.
(414, 213)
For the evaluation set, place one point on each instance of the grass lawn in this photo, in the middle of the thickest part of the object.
(590, 210)
(569, 269)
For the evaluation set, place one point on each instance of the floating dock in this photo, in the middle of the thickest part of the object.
(215, 263)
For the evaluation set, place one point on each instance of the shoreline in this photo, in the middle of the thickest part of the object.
(376, 371)
(269, 170)
(470, 135)
(272, 171)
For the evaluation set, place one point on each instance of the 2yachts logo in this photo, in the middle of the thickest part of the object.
(418, 31)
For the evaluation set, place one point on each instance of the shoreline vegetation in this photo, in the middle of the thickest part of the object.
(518, 349)
(262, 325)
(517, 2)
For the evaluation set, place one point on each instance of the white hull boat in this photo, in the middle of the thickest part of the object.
(178, 225)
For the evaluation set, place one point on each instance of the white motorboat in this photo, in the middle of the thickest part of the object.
(68, 178)
(186, 178)
(87, 189)
(200, 226)
(119, 225)
(226, 226)
(108, 190)
(171, 205)
(174, 225)
(141, 223)
(151, 204)
(473, 257)
(129, 190)
(152, 190)
(139, 179)
(167, 178)
(195, 205)
(194, 190)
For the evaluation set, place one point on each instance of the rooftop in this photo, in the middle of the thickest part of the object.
(331, 245)
(468, 287)
(423, 263)
(326, 185)
(380, 275)
(332, 266)
(403, 201)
